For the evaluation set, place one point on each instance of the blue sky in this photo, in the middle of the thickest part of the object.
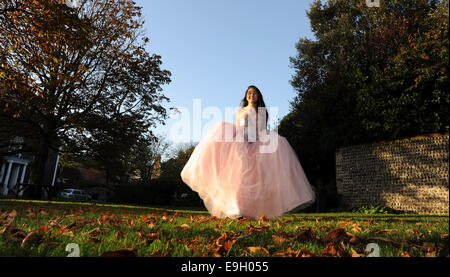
(215, 49)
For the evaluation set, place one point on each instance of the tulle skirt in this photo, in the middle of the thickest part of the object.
(236, 175)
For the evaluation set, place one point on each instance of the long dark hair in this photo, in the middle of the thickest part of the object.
(244, 102)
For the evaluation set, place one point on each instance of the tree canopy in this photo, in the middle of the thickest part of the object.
(372, 73)
(81, 77)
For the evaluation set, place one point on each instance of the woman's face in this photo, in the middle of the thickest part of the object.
(252, 96)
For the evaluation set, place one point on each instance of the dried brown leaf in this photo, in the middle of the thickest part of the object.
(258, 250)
(336, 234)
(31, 238)
(367, 223)
(306, 235)
(304, 253)
(345, 223)
(406, 254)
(279, 240)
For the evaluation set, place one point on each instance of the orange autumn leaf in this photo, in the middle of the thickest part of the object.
(258, 250)
(285, 253)
(64, 230)
(356, 254)
(332, 250)
(12, 214)
(120, 234)
(406, 254)
(262, 219)
(43, 228)
(370, 222)
(279, 240)
(345, 223)
(252, 228)
(304, 253)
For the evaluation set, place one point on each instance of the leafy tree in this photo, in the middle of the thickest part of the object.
(80, 76)
(171, 169)
(409, 95)
(361, 81)
(145, 154)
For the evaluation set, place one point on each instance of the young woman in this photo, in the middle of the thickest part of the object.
(245, 170)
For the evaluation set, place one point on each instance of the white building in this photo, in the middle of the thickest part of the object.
(12, 172)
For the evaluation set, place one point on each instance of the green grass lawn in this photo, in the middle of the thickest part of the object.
(46, 228)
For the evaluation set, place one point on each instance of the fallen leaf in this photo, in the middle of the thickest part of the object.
(159, 253)
(332, 250)
(304, 253)
(354, 239)
(94, 240)
(356, 228)
(14, 233)
(43, 229)
(429, 247)
(345, 223)
(224, 243)
(183, 227)
(227, 245)
(262, 219)
(218, 227)
(306, 235)
(120, 234)
(406, 254)
(65, 231)
(95, 231)
(386, 231)
(430, 254)
(370, 222)
(252, 228)
(279, 240)
(285, 253)
(149, 237)
(336, 234)
(31, 238)
(356, 254)
(242, 220)
(53, 223)
(203, 219)
(12, 214)
(258, 250)
(70, 226)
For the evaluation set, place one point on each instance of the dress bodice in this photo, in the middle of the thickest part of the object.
(253, 119)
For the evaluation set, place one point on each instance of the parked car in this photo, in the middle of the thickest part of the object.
(77, 194)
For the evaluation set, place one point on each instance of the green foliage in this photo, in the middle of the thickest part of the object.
(171, 172)
(80, 78)
(371, 209)
(371, 74)
(171, 169)
(153, 231)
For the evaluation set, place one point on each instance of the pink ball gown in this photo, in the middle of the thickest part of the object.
(247, 170)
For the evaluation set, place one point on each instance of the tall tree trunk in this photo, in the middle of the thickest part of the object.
(39, 168)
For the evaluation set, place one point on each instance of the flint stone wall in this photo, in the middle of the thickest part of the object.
(409, 174)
